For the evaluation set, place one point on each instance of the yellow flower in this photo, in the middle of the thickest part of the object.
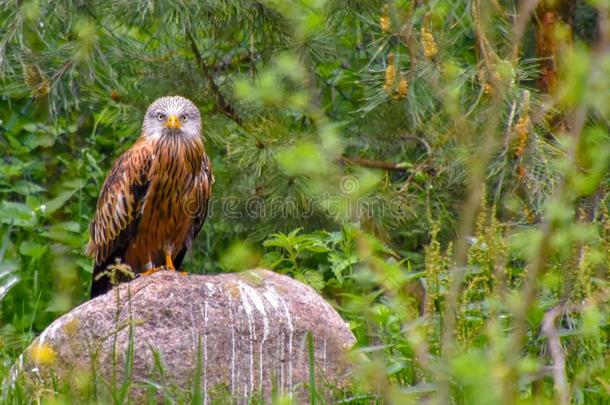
(42, 354)
(522, 126)
(390, 58)
(430, 48)
(390, 74)
(35, 80)
(403, 88)
(522, 129)
(32, 76)
(385, 23)
(115, 95)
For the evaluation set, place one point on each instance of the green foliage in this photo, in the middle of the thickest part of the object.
(408, 160)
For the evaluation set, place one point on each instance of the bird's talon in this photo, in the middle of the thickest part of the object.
(169, 264)
(151, 271)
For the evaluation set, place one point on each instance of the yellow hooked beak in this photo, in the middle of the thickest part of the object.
(173, 122)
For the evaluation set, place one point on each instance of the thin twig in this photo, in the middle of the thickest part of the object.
(413, 47)
(384, 164)
(415, 170)
(223, 105)
(420, 140)
(373, 164)
(526, 9)
(560, 381)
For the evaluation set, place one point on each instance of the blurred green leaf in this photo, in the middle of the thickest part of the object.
(32, 249)
(17, 214)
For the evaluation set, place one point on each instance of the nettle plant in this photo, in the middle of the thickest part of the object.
(400, 326)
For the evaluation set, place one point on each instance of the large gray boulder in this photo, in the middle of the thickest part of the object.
(230, 337)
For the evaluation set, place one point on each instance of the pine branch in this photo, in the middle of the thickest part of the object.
(223, 105)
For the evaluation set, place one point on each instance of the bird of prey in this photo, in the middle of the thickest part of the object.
(154, 199)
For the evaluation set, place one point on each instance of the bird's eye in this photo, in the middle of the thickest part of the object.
(160, 117)
(184, 118)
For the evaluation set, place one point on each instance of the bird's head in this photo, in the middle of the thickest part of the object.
(172, 116)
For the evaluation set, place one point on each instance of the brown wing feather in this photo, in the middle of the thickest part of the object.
(120, 201)
(205, 181)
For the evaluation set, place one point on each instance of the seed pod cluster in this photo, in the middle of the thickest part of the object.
(398, 89)
(428, 42)
(522, 129)
(390, 74)
(385, 23)
(35, 80)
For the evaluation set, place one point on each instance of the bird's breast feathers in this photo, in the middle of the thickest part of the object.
(177, 196)
(175, 167)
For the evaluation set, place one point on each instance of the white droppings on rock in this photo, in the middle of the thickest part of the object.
(194, 328)
(280, 356)
(255, 297)
(210, 288)
(290, 331)
(271, 295)
(232, 323)
(205, 351)
(248, 310)
(324, 356)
